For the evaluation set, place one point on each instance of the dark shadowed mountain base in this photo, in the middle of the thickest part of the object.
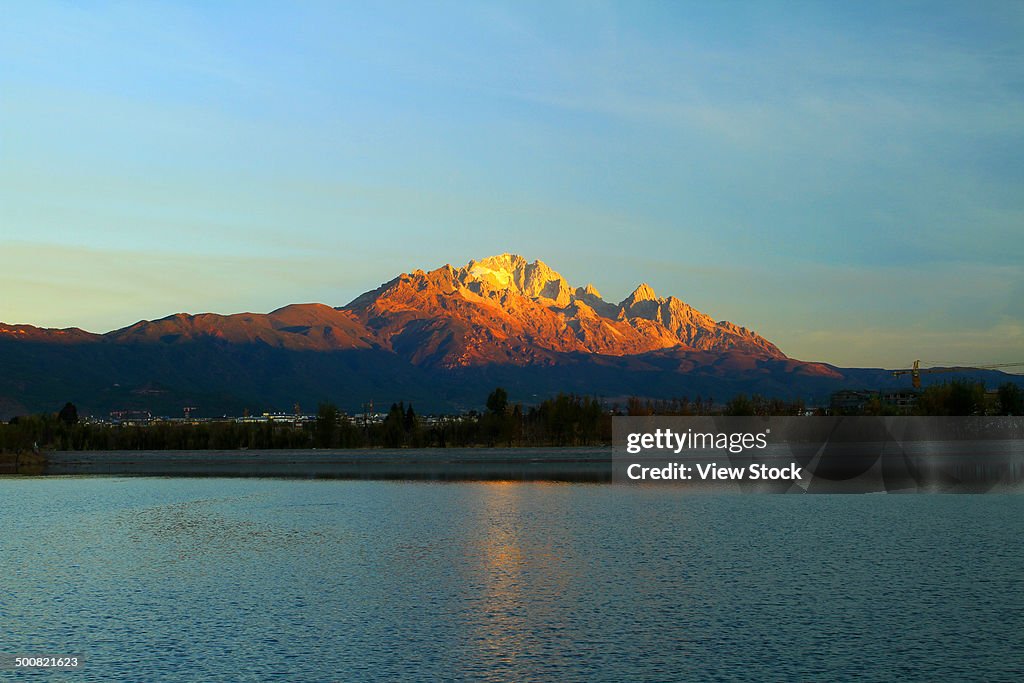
(226, 379)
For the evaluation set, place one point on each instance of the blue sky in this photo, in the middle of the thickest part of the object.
(844, 178)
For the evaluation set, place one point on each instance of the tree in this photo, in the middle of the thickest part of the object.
(1011, 399)
(635, 407)
(958, 397)
(497, 402)
(326, 425)
(68, 414)
(394, 426)
(739, 405)
(967, 398)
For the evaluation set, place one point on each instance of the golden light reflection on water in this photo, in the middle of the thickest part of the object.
(501, 561)
(517, 575)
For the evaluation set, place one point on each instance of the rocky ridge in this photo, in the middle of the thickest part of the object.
(507, 309)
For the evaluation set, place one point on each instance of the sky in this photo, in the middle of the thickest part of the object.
(843, 178)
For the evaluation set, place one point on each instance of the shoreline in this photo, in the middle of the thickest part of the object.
(29, 463)
(940, 467)
(577, 464)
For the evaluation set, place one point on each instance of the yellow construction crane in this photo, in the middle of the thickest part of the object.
(916, 371)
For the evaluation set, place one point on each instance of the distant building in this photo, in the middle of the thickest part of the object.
(131, 417)
(904, 400)
(857, 401)
(851, 401)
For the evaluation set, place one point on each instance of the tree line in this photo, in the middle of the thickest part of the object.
(563, 420)
(958, 397)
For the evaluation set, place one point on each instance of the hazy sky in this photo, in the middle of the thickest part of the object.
(847, 179)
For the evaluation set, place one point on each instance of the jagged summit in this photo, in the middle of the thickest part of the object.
(508, 309)
(446, 335)
(643, 292)
(500, 270)
(510, 271)
(499, 310)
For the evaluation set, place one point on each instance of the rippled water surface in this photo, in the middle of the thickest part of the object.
(258, 579)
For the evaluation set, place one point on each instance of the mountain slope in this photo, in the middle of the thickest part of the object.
(440, 338)
(504, 309)
(313, 327)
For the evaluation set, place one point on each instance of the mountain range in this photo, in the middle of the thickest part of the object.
(441, 338)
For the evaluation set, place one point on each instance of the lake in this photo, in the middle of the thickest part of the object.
(311, 580)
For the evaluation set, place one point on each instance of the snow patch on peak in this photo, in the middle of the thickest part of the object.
(500, 276)
(511, 271)
(508, 263)
(500, 270)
